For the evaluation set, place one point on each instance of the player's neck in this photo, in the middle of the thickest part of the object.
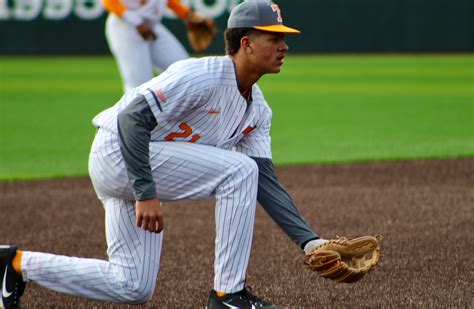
(245, 74)
(246, 94)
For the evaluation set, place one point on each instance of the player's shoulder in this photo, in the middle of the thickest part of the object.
(208, 64)
(259, 102)
(257, 96)
(220, 69)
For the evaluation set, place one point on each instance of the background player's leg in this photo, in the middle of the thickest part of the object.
(166, 49)
(131, 52)
(130, 274)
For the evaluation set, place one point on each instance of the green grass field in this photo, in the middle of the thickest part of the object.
(325, 109)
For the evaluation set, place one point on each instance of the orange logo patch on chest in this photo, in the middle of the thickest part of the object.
(213, 111)
(248, 130)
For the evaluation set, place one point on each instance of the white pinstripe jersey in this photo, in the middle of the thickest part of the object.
(198, 101)
(151, 10)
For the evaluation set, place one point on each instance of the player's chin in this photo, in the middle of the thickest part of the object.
(276, 68)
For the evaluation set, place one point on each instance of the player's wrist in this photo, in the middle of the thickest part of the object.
(145, 194)
(144, 197)
(187, 17)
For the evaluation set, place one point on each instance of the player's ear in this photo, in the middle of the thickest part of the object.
(245, 45)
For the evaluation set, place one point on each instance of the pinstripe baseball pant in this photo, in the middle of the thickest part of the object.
(180, 171)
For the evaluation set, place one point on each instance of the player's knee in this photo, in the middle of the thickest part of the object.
(138, 296)
(138, 293)
(240, 173)
(248, 167)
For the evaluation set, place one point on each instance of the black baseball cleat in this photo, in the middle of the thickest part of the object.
(12, 283)
(242, 300)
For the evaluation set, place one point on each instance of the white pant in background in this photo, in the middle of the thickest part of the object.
(136, 58)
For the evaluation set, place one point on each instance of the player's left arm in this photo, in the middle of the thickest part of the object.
(280, 206)
(179, 9)
(201, 29)
(271, 194)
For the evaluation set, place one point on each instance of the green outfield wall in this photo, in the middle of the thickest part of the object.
(77, 26)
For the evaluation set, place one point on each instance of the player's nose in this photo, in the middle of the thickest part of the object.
(283, 46)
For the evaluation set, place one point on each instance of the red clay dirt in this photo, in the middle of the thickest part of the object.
(424, 210)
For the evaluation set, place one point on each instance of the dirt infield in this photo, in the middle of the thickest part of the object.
(424, 209)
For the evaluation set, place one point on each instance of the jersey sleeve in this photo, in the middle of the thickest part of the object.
(257, 143)
(118, 8)
(135, 123)
(276, 201)
(183, 87)
(179, 8)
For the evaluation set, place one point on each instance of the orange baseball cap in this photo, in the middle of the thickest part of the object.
(258, 14)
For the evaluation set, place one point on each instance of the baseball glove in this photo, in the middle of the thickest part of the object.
(343, 259)
(201, 31)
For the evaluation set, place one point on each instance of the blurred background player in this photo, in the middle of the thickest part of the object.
(139, 41)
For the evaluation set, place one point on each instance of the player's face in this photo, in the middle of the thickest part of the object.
(268, 51)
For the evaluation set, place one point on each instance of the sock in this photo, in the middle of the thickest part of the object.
(313, 244)
(220, 294)
(16, 262)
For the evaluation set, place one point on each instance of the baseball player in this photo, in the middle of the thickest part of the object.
(139, 41)
(199, 129)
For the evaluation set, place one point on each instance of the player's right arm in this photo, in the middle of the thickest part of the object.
(135, 123)
(119, 9)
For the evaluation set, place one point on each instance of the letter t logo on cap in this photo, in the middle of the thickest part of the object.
(275, 8)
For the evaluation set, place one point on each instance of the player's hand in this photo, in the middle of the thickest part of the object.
(149, 215)
(146, 31)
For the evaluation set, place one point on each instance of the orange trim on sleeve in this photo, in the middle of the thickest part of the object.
(178, 8)
(114, 6)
